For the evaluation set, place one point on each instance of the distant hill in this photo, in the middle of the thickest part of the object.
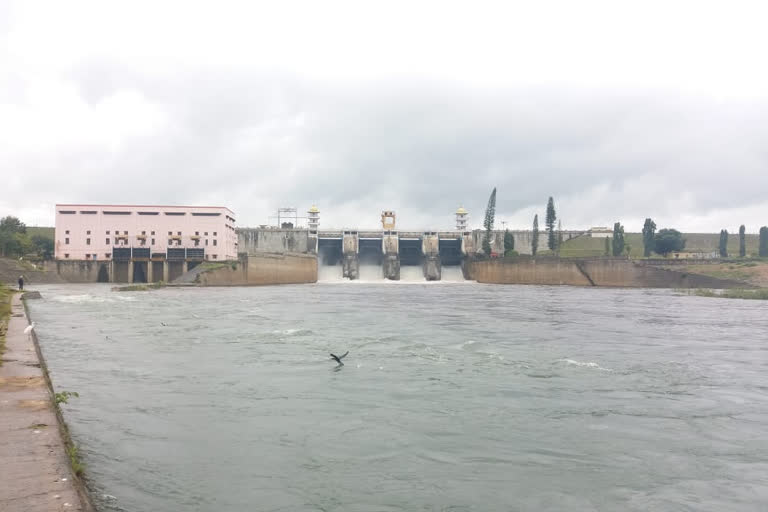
(42, 231)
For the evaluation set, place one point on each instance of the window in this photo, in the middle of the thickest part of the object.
(67, 212)
(88, 212)
(170, 233)
(206, 241)
(179, 233)
(206, 233)
(197, 243)
(107, 242)
(153, 241)
(178, 242)
(107, 255)
(143, 241)
(215, 256)
(95, 256)
(116, 213)
(197, 233)
(87, 241)
(214, 241)
(149, 213)
(66, 240)
(152, 233)
(170, 242)
(87, 232)
(107, 232)
(175, 213)
(198, 214)
(214, 233)
(143, 232)
(125, 232)
(66, 232)
(87, 256)
(66, 255)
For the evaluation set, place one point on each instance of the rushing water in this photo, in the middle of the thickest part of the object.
(453, 397)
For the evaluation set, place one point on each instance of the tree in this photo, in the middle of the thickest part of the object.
(742, 241)
(43, 246)
(509, 242)
(12, 235)
(618, 239)
(490, 215)
(723, 243)
(762, 250)
(551, 217)
(535, 235)
(667, 241)
(607, 246)
(649, 231)
(559, 236)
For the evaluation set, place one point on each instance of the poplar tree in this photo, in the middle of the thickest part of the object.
(618, 239)
(490, 215)
(551, 217)
(559, 235)
(762, 250)
(607, 246)
(742, 241)
(509, 242)
(649, 237)
(723, 243)
(535, 235)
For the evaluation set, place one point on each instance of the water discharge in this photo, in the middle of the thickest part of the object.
(453, 397)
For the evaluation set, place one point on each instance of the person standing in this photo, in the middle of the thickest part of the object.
(21, 283)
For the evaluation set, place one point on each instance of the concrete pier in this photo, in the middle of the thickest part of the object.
(36, 473)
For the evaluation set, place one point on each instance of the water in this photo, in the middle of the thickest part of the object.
(453, 397)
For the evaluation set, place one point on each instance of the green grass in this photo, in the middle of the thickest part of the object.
(5, 315)
(759, 294)
(74, 459)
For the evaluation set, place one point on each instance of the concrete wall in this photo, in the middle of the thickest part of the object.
(597, 272)
(81, 271)
(255, 240)
(259, 269)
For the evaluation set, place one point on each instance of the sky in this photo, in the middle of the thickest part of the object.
(620, 110)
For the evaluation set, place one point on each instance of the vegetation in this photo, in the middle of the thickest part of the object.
(509, 242)
(63, 396)
(550, 221)
(759, 294)
(16, 240)
(723, 246)
(607, 247)
(535, 235)
(74, 460)
(618, 239)
(667, 241)
(5, 314)
(762, 250)
(649, 232)
(742, 241)
(139, 287)
(490, 215)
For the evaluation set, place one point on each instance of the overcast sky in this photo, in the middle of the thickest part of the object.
(620, 110)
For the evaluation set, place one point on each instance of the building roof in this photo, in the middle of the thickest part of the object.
(461, 211)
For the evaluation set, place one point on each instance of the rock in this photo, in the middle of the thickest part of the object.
(31, 295)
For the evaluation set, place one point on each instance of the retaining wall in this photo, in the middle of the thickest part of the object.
(260, 269)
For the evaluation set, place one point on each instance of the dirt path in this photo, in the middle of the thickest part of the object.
(36, 474)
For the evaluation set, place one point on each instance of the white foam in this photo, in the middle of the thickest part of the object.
(588, 364)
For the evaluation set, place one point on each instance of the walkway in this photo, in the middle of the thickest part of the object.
(35, 474)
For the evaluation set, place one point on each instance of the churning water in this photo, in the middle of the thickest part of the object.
(453, 397)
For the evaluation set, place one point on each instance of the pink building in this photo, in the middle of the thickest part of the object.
(93, 231)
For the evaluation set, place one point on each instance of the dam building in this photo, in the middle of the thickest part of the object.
(143, 243)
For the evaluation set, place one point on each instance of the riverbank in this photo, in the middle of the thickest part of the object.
(37, 475)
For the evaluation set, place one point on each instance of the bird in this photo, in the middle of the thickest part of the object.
(28, 330)
(339, 358)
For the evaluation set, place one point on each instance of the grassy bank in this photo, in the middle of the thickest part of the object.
(759, 294)
(5, 315)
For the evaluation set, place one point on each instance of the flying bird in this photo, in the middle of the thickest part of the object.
(29, 330)
(339, 358)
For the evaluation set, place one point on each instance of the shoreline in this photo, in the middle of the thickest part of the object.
(34, 438)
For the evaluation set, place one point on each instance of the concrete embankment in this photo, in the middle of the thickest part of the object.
(592, 272)
(36, 474)
(255, 270)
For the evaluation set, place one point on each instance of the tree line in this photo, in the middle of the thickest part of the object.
(663, 242)
(15, 242)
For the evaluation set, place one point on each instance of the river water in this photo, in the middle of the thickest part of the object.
(454, 396)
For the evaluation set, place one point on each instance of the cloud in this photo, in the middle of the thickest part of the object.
(256, 108)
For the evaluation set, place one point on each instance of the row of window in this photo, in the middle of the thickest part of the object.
(170, 233)
(108, 255)
(142, 241)
(106, 212)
